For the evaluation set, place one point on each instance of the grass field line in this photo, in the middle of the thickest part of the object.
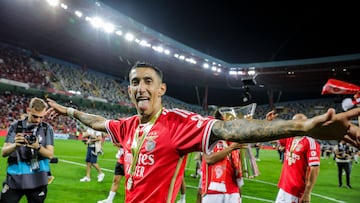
(315, 194)
(195, 187)
(275, 185)
(83, 158)
(187, 186)
(84, 165)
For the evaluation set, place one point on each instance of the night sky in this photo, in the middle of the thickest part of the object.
(244, 32)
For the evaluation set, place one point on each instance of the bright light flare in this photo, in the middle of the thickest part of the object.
(64, 6)
(53, 3)
(108, 27)
(96, 22)
(129, 37)
(78, 14)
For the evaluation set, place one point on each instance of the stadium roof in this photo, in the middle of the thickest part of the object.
(294, 49)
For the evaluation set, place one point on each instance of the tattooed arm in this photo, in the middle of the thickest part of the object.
(249, 131)
(328, 126)
(93, 121)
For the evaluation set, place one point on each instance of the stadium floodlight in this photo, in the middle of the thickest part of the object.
(251, 72)
(64, 6)
(53, 3)
(192, 61)
(206, 65)
(158, 48)
(129, 37)
(119, 32)
(78, 13)
(241, 72)
(144, 43)
(108, 27)
(167, 52)
(96, 22)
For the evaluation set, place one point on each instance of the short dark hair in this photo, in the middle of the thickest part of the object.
(140, 64)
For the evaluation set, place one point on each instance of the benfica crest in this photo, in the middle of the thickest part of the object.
(150, 143)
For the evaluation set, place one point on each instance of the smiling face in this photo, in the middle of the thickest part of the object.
(145, 90)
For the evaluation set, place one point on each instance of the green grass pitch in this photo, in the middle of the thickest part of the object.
(71, 167)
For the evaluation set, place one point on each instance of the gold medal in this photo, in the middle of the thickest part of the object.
(294, 143)
(129, 183)
(136, 146)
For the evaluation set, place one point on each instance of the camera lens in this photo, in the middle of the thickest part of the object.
(31, 139)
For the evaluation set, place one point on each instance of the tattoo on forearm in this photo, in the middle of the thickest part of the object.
(88, 119)
(246, 131)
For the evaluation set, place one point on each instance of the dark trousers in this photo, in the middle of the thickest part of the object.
(257, 149)
(347, 168)
(281, 155)
(36, 195)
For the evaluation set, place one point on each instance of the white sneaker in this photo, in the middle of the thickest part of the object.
(101, 177)
(85, 179)
(104, 201)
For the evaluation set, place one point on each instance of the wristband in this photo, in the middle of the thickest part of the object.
(70, 112)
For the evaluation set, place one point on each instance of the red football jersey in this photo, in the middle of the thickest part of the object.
(299, 155)
(227, 173)
(161, 161)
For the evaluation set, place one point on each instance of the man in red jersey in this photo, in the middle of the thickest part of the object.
(219, 176)
(156, 139)
(300, 169)
(221, 171)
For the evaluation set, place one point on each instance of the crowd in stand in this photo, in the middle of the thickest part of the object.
(18, 65)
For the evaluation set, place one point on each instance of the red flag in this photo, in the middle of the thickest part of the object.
(334, 86)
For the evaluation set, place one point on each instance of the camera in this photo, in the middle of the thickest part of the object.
(54, 160)
(30, 138)
(29, 133)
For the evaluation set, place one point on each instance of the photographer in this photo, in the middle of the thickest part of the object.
(29, 146)
(343, 161)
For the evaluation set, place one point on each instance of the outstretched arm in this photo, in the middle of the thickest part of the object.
(328, 126)
(93, 121)
(250, 131)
